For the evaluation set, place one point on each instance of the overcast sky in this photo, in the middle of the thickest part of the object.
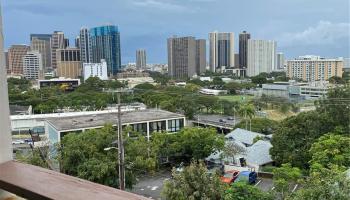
(319, 27)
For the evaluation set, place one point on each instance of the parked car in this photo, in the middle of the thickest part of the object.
(248, 176)
(229, 176)
(28, 140)
(230, 118)
(18, 142)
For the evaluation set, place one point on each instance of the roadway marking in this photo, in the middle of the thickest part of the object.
(258, 183)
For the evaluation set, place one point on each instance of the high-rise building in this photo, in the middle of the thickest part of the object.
(186, 57)
(221, 53)
(68, 63)
(201, 56)
(236, 60)
(141, 59)
(15, 56)
(261, 56)
(314, 68)
(181, 57)
(7, 62)
(346, 63)
(32, 65)
(280, 61)
(57, 42)
(243, 49)
(95, 70)
(84, 40)
(77, 42)
(42, 43)
(105, 44)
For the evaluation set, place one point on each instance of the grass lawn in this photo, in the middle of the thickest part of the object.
(236, 98)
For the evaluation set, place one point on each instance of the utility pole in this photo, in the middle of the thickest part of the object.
(120, 147)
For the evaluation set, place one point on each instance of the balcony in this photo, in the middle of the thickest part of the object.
(33, 182)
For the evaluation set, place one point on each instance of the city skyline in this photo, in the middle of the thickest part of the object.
(324, 32)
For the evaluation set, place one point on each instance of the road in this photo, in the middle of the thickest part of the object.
(151, 186)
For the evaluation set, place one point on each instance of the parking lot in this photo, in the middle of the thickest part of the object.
(151, 186)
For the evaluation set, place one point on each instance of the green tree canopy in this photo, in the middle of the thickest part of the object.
(244, 191)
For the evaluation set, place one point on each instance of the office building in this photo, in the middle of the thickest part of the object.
(33, 65)
(221, 51)
(84, 45)
(346, 64)
(261, 56)
(201, 56)
(145, 122)
(42, 44)
(236, 60)
(77, 42)
(95, 70)
(243, 49)
(68, 63)
(140, 59)
(57, 42)
(105, 44)
(15, 56)
(181, 57)
(280, 61)
(314, 68)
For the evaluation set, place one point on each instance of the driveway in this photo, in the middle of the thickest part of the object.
(151, 186)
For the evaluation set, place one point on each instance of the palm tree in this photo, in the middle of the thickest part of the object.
(247, 111)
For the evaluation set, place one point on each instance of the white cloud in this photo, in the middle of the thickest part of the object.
(324, 33)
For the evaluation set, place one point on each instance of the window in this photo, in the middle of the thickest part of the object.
(157, 126)
(175, 125)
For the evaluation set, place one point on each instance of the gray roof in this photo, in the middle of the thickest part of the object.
(97, 120)
(259, 153)
(244, 136)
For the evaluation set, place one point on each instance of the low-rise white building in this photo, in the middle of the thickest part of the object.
(95, 70)
(212, 92)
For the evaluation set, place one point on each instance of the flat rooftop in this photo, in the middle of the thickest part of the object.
(97, 120)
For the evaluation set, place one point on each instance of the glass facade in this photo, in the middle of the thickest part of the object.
(175, 125)
(105, 44)
(157, 126)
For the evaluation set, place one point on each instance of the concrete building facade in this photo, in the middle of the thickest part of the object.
(15, 56)
(105, 44)
(95, 70)
(221, 51)
(84, 45)
(261, 56)
(7, 62)
(33, 65)
(181, 57)
(314, 68)
(141, 61)
(68, 63)
(42, 44)
(201, 56)
(57, 42)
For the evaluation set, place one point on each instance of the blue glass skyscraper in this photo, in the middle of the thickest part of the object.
(105, 44)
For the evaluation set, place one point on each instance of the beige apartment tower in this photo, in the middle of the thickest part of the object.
(314, 68)
(69, 63)
(57, 42)
(15, 57)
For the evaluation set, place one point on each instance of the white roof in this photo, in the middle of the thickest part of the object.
(259, 153)
(244, 136)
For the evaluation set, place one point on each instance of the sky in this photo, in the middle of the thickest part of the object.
(300, 27)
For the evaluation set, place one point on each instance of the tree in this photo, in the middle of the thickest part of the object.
(260, 125)
(208, 102)
(295, 135)
(199, 143)
(145, 86)
(244, 191)
(247, 111)
(232, 149)
(336, 80)
(329, 150)
(232, 87)
(217, 81)
(192, 87)
(193, 183)
(285, 177)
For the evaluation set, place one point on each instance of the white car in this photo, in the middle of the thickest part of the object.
(18, 142)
